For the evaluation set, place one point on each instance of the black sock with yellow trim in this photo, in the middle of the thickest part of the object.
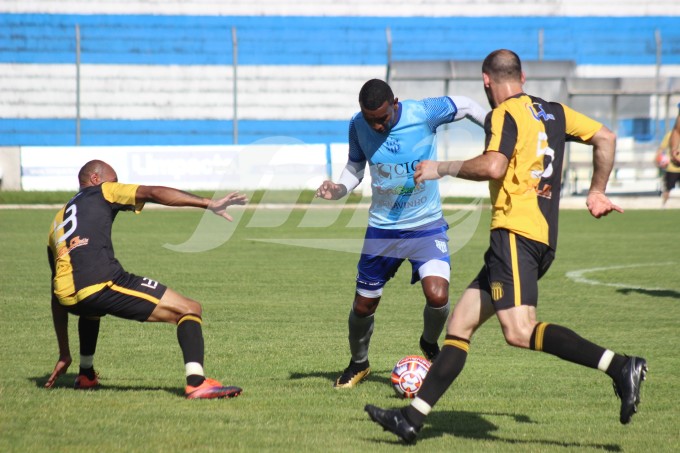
(190, 337)
(444, 370)
(568, 345)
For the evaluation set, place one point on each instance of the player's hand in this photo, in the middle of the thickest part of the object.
(426, 170)
(328, 190)
(675, 156)
(219, 207)
(599, 205)
(60, 368)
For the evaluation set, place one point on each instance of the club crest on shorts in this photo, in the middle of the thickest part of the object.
(441, 245)
(496, 290)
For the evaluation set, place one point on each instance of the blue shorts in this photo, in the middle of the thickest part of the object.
(385, 250)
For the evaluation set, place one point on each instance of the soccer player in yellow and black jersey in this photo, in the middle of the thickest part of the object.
(525, 138)
(88, 281)
(671, 168)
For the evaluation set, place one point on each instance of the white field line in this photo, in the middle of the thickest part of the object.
(579, 276)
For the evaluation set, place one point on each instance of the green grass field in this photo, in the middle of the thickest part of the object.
(275, 324)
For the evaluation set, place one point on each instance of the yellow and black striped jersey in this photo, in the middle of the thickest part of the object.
(531, 133)
(79, 242)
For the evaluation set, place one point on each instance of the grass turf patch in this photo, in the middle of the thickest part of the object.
(276, 325)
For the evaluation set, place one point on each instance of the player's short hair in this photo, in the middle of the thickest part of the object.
(375, 93)
(503, 65)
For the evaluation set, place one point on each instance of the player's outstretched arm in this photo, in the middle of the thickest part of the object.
(60, 319)
(604, 148)
(468, 108)
(169, 196)
(490, 165)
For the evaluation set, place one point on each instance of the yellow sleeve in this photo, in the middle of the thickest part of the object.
(124, 194)
(579, 125)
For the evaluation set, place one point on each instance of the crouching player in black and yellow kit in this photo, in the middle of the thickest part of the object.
(525, 138)
(88, 281)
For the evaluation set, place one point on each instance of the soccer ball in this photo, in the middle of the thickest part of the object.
(662, 160)
(408, 375)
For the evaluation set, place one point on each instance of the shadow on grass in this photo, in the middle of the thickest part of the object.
(651, 292)
(475, 426)
(66, 382)
(375, 376)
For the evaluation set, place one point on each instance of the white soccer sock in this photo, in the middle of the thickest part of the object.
(605, 360)
(86, 361)
(194, 368)
(421, 406)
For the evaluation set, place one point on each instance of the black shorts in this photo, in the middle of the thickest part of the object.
(129, 297)
(671, 179)
(513, 265)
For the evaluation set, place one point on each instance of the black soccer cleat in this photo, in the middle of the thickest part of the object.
(627, 386)
(393, 421)
(353, 375)
(430, 350)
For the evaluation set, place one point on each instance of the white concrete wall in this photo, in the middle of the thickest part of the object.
(10, 168)
(391, 8)
(182, 92)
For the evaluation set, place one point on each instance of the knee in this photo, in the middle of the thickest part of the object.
(193, 308)
(517, 337)
(364, 306)
(437, 295)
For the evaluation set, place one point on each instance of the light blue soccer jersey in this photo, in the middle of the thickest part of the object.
(392, 157)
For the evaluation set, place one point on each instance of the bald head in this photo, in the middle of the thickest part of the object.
(96, 172)
(503, 66)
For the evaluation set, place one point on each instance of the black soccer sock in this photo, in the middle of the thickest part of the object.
(190, 337)
(360, 332)
(88, 333)
(444, 370)
(434, 320)
(568, 345)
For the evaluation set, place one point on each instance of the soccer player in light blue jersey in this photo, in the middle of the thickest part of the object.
(405, 219)
(522, 160)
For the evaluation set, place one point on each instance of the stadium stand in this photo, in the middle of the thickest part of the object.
(162, 72)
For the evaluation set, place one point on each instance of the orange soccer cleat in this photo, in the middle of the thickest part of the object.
(211, 388)
(84, 383)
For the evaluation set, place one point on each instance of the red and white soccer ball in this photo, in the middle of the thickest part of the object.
(662, 160)
(408, 375)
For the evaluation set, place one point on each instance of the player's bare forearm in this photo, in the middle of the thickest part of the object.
(60, 319)
(604, 149)
(490, 165)
(169, 196)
